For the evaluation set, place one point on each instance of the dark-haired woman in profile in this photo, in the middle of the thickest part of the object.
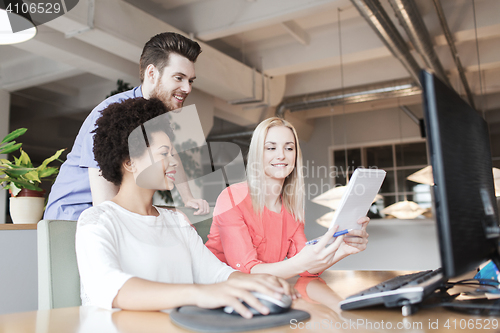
(133, 255)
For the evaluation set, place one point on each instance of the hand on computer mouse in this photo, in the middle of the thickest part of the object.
(237, 289)
(273, 304)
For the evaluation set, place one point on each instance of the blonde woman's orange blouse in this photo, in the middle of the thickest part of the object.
(242, 239)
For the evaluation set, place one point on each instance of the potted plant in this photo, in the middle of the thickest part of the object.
(23, 180)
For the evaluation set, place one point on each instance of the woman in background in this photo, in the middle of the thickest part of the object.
(259, 223)
(133, 255)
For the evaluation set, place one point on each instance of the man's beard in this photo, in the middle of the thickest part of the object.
(162, 95)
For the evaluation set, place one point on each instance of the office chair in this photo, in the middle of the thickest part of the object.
(58, 277)
(203, 229)
(201, 223)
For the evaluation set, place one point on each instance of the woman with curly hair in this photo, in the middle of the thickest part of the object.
(133, 255)
(259, 223)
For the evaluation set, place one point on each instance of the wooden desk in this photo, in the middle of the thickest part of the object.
(325, 315)
(10, 226)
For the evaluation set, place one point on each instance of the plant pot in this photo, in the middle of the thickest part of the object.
(27, 207)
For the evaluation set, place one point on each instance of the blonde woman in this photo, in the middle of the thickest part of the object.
(259, 223)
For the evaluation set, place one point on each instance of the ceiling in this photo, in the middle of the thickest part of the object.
(300, 46)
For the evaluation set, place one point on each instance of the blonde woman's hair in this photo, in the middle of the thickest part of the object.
(293, 186)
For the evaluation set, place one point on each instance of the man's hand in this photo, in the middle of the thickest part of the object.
(201, 205)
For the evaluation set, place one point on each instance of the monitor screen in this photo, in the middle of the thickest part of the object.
(464, 197)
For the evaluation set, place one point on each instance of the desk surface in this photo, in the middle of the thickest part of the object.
(319, 299)
(10, 226)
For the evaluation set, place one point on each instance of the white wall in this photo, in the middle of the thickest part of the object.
(350, 130)
(18, 271)
(4, 130)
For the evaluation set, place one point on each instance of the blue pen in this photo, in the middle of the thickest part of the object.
(337, 234)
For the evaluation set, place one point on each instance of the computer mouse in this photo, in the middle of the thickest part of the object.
(274, 305)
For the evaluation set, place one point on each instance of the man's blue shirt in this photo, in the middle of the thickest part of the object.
(70, 194)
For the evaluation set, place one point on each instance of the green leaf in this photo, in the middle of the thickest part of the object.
(25, 184)
(33, 176)
(15, 173)
(47, 172)
(10, 147)
(18, 167)
(7, 144)
(50, 159)
(6, 164)
(20, 173)
(14, 134)
(25, 159)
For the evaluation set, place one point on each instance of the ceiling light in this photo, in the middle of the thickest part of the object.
(424, 176)
(6, 34)
(330, 198)
(404, 210)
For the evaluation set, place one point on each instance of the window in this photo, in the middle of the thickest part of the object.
(398, 160)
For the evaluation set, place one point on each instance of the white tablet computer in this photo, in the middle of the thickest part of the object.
(358, 197)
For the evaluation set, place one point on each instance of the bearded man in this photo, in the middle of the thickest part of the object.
(166, 72)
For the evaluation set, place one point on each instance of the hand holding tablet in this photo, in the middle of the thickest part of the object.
(356, 201)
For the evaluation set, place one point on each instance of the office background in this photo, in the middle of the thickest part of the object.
(260, 57)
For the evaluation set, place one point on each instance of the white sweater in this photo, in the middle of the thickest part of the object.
(114, 244)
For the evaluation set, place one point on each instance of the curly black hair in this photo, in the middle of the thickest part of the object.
(123, 125)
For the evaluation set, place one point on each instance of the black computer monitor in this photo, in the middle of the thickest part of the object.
(464, 196)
